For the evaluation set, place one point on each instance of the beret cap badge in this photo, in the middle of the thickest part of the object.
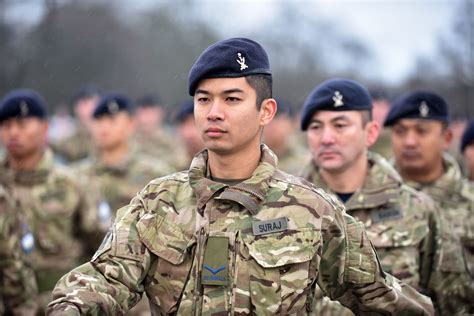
(241, 62)
(23, 108)
(337, 98)
(424, 109)
(113, 107)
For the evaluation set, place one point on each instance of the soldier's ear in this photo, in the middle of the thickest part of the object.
(373, 131)
(267, 112)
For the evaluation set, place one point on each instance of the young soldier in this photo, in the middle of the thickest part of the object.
(233, 235)
(57, 212)
(420, 136)
(400, 222)
(467, 150)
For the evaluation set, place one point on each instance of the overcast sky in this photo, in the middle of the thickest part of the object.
(396, 31)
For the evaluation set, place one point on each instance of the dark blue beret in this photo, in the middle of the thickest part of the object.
(185, 110)
(22, 103)
(467, 136)
(335, 95)
(111, 104)
(420, 105)
(231, 58)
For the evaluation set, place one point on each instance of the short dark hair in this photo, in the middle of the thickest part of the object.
(262, 85)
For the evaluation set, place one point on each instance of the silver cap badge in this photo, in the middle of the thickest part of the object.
(337, 98)
(241, 62)
(424, 109)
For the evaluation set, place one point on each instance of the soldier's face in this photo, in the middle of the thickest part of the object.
(337, 140)
(418, 145)
(24, 137)
(227, 117)
(190, 136)
(468, 156)
(112, 131)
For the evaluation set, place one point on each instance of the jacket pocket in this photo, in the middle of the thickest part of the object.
(170, 272)
(279, 270)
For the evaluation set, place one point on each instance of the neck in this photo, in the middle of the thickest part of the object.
(234, 166)
(26, 163)
(114, 156)
(348, 180)
(425, 175)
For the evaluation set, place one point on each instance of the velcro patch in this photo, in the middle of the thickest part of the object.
(385, 215)
(270, 226)
(215, 263)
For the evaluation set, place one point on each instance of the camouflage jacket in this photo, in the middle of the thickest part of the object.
(114, 186)
(401, 223)
(57, 213)
(278, 236)
(75, 147)
(454, 262)
(294, 158)
(18, 288)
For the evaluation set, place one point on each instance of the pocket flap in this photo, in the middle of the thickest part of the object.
(163, 238)
(288, 247)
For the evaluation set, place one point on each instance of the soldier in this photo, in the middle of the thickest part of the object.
(55, 207)
(280, 136)
(400, 222)
(420, 137)
(467, 150)
(188, 132)
(233, 235)
(79, 145)
(18, 289)
(117, 171)
(151, 137)
(380, 108)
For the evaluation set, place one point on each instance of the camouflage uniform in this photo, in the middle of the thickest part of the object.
(75, 147)
(455, 260)
(159, 243)
(383, 146)
(163, 146)
(17, 280)
(294, 158)
(57, 213)
(402, 224)
(114, 186)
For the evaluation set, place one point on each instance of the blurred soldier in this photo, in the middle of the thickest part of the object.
(117, 171)
(467, 150)
(420, 137)
(18, 289)
(401, 223)
(151, 137)
(279, 135)
(79, 144)
(55, 207)
(380, 108)
(233, 235)
(188, 132)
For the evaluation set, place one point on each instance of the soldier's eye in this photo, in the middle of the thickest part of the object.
(232, 99)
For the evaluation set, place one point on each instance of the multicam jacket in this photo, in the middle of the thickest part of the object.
(18, 289)
(401, 223)
(454, 262)
(159, 245)
(58, 214)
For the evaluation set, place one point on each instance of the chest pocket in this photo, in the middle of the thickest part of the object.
(279, 270)
(170, 272)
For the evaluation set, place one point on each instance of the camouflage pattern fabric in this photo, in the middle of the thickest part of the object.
(157, 246)
(58, 214)
(294, 158)
(383, 145)
(18, 289)
(162, 146)
(401, 223)
(75, 147)
(454, 277)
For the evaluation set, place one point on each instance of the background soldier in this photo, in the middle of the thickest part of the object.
(117, 170)
(467, 150)
(420, 137)
(79, 145)
(18, 291)
(233, 234)
(55, 207)
(400, 222)
(188, 132)
(280, 136)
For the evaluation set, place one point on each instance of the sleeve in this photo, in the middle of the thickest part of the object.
(350, 272)
(18, 289)
(112, 282)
